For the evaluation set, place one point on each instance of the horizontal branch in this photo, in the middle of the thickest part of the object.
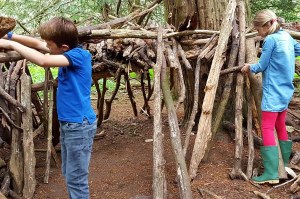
(9, 56)
(127, 33)
(294, 34)
(231, 70)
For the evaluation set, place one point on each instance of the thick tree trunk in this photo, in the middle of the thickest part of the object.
(181, 13)
(191, 14)
(210, 13)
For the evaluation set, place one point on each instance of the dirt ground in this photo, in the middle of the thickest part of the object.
(121, 165)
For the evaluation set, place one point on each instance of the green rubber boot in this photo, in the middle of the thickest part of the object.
(286, 150)
(270, 159)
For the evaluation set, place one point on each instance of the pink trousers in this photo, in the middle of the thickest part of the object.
(268, 122)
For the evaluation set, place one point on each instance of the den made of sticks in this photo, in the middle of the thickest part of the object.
(197, 56)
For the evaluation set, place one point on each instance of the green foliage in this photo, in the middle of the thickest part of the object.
(296, 76)
(38, 73)
(110, 85)
(133, 75)
(151, 72)
(31, 13)
(287, 9)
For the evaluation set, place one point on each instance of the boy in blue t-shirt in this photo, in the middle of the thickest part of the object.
(75, 113)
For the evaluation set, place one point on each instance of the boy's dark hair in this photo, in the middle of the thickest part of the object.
(61, 31)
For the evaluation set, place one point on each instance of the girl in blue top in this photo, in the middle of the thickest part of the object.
(277, 65)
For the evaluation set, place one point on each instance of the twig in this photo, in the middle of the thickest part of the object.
(209, 192)
(9, 120)
(11, 100)
(262, 195)
(281, 185)
(144, 112)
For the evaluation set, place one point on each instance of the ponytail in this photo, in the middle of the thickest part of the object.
(264, 17)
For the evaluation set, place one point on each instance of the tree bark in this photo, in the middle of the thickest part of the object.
(228, 84)
(237, 168)
(16, 163)
(28, 145)
(49, 120)
(249, 129)
(181, 13)
(182, 173)
(159, 181)
(204, 126)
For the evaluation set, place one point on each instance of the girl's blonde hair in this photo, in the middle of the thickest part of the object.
(267, 17)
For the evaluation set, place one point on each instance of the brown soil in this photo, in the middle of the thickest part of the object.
(121, 165)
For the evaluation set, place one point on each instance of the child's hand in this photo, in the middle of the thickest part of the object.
(246, 68)
(5, 44)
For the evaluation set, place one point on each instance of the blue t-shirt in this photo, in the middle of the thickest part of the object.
(277, 64)
(74, 88)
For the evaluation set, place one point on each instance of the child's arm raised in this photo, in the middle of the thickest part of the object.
(35, 56)
(28, 41)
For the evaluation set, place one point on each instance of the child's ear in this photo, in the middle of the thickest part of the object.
(65, 47)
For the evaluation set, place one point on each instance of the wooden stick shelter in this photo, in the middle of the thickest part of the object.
(116, 52)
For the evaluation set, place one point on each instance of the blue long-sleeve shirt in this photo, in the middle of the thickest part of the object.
(277, 64)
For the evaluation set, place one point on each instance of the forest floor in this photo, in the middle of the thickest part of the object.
(122, 162)
(121, 165)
